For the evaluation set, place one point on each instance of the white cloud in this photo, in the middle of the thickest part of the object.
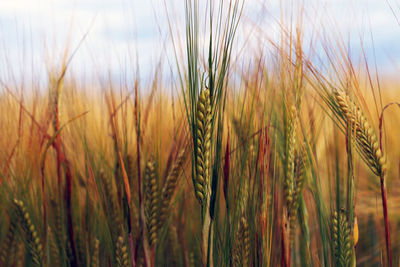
(119, 25)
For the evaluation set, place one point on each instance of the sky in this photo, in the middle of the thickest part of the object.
(119, 35)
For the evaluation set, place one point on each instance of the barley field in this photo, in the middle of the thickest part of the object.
(292, 160)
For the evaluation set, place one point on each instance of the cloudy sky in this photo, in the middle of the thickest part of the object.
(123, 33)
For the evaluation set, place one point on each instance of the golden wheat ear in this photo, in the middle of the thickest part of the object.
(203, 125)
(365, 137)
(342, 239)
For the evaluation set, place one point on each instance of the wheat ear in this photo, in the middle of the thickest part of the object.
(94, 261)
(170, 186)
(151, 201)
(33, 240)
(342, 239)
(299, 172)
(364, 135)
(121, 253)
(203, 125)
(111, 207)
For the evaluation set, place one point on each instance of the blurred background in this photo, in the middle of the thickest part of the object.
(117, 36)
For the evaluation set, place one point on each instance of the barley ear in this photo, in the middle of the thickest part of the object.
(203, 125)
(342, 239)
(365, 137)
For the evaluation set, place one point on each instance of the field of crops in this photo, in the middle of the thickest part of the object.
(287, 162)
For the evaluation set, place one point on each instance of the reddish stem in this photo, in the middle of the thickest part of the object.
(383, 188)
(385, 215)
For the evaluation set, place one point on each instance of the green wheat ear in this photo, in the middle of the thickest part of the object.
(203, 125)
(32, 238)
(151, 201)
(342, 239)
(365, 137)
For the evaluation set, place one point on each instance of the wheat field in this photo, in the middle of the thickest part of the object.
(287, 162)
